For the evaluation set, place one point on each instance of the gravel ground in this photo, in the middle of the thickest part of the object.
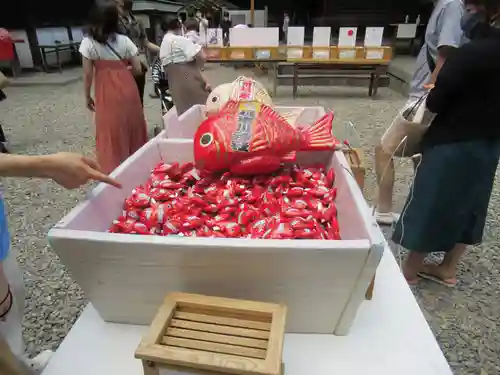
(46, 119)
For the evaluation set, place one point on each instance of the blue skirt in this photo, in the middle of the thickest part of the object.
(449, 198)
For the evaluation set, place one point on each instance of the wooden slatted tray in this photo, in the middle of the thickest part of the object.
(194, 334)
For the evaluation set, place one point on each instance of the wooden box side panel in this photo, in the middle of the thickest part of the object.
(315, 285)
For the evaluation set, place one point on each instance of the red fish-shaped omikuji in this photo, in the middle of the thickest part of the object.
(248, 137)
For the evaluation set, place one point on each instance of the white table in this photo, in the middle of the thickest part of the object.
(390, 336)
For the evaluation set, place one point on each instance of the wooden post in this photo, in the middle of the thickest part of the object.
(252, 12)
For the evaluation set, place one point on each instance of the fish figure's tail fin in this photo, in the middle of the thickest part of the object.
(319, 136)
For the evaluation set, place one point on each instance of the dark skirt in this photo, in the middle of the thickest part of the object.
(448, 201)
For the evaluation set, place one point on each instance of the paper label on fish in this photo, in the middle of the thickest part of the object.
(245, 90)
(247, 115)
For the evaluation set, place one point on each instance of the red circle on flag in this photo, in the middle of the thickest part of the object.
(350, 33)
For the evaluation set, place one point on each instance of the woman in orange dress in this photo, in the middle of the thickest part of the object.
(109, 62)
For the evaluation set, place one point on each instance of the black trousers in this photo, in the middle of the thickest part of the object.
(141, 82)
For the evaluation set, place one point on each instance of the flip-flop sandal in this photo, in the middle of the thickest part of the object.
(386, 218)
(450, 283)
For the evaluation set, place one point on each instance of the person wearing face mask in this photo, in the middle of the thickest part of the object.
(448, 202)
(183, 62)
(442, 36)
(134, 29)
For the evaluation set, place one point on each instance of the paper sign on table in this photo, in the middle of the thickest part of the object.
(373, 36)
(213, 53)
(321, 54)
(347, 54)
(375, 54)
(262, 54)
(347, 36)
(294, 53)
(321, 36)
(406, 31)
(237, 55)
(214, 37)
(295, 36)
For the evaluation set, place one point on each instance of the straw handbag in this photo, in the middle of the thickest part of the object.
(4, 82)
(403, 137)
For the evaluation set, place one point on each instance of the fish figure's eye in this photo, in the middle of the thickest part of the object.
(215, 99)
(206, 139)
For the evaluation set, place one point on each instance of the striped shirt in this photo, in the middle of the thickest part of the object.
(176, 49)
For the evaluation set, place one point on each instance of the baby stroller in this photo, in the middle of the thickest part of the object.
(162, 88)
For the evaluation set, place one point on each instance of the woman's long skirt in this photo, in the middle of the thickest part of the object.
(120, 125)
(448, 201)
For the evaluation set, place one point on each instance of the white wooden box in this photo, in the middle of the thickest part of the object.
(185, 126)
(127, 276)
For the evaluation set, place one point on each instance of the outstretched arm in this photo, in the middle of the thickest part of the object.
(67, 169)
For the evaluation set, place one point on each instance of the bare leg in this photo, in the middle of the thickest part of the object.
(413, 265)
(448, 267)
(10, 327)
(9, 364)
(384, 168)
(446, 272)
(451, 259)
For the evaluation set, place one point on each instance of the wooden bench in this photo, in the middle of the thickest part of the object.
(304, 71)
(57, 48)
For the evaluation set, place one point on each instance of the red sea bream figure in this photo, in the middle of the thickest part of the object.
(248, 137)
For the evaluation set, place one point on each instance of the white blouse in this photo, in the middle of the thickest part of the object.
(94, 50)
(177, 49)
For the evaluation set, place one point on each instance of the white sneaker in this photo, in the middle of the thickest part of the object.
(386, 218)
(38, 364)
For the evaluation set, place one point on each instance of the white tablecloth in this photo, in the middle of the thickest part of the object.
(389, 337)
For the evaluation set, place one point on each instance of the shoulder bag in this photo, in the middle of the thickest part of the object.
(403, 137)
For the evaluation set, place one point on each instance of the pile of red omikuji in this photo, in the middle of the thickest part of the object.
(292, 203)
